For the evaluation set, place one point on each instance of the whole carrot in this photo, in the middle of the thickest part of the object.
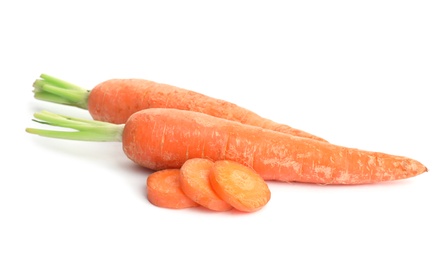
(115, 100)
(161, 138)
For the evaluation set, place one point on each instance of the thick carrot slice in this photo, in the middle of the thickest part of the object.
(194, 181)
(163, 190)
(239, 185)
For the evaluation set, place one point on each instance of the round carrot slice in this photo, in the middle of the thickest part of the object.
(239, 185)
(163, 190)
(194, 181)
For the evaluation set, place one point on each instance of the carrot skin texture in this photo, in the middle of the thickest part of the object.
(166, 138)
(163, 190)
(194, 181)
(116, 100)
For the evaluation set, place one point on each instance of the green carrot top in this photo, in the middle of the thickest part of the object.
(86, 130)
(55, 90)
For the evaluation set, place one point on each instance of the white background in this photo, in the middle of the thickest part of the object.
(362, 74)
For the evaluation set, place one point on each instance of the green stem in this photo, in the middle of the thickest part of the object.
(86, 130)
(55, 90)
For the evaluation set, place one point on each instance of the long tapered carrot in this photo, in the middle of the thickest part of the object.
(115, 100)
(239, 185)
(161, 138)
(194, 181)
(163, 190)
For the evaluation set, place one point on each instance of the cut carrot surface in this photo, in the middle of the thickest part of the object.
(194, 181)
(163, 190)
(239, 185)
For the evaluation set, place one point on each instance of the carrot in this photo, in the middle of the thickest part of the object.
(163, 190)
(160, 138)
(115, 100)
(194, 181)
(239, 185)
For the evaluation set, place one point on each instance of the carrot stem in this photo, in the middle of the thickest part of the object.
(55, 90)
(86, 130)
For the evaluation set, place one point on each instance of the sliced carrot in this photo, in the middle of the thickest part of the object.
(239, 185)
(163, 190)
(194, 181)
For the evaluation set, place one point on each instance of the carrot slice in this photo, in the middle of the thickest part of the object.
(163, 190)
(239, 185)
(194, 181)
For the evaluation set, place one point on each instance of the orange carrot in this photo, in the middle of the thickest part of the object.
(115, 100)
(194, 181)
(163, 190)
(160, 138)
(240, 186)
